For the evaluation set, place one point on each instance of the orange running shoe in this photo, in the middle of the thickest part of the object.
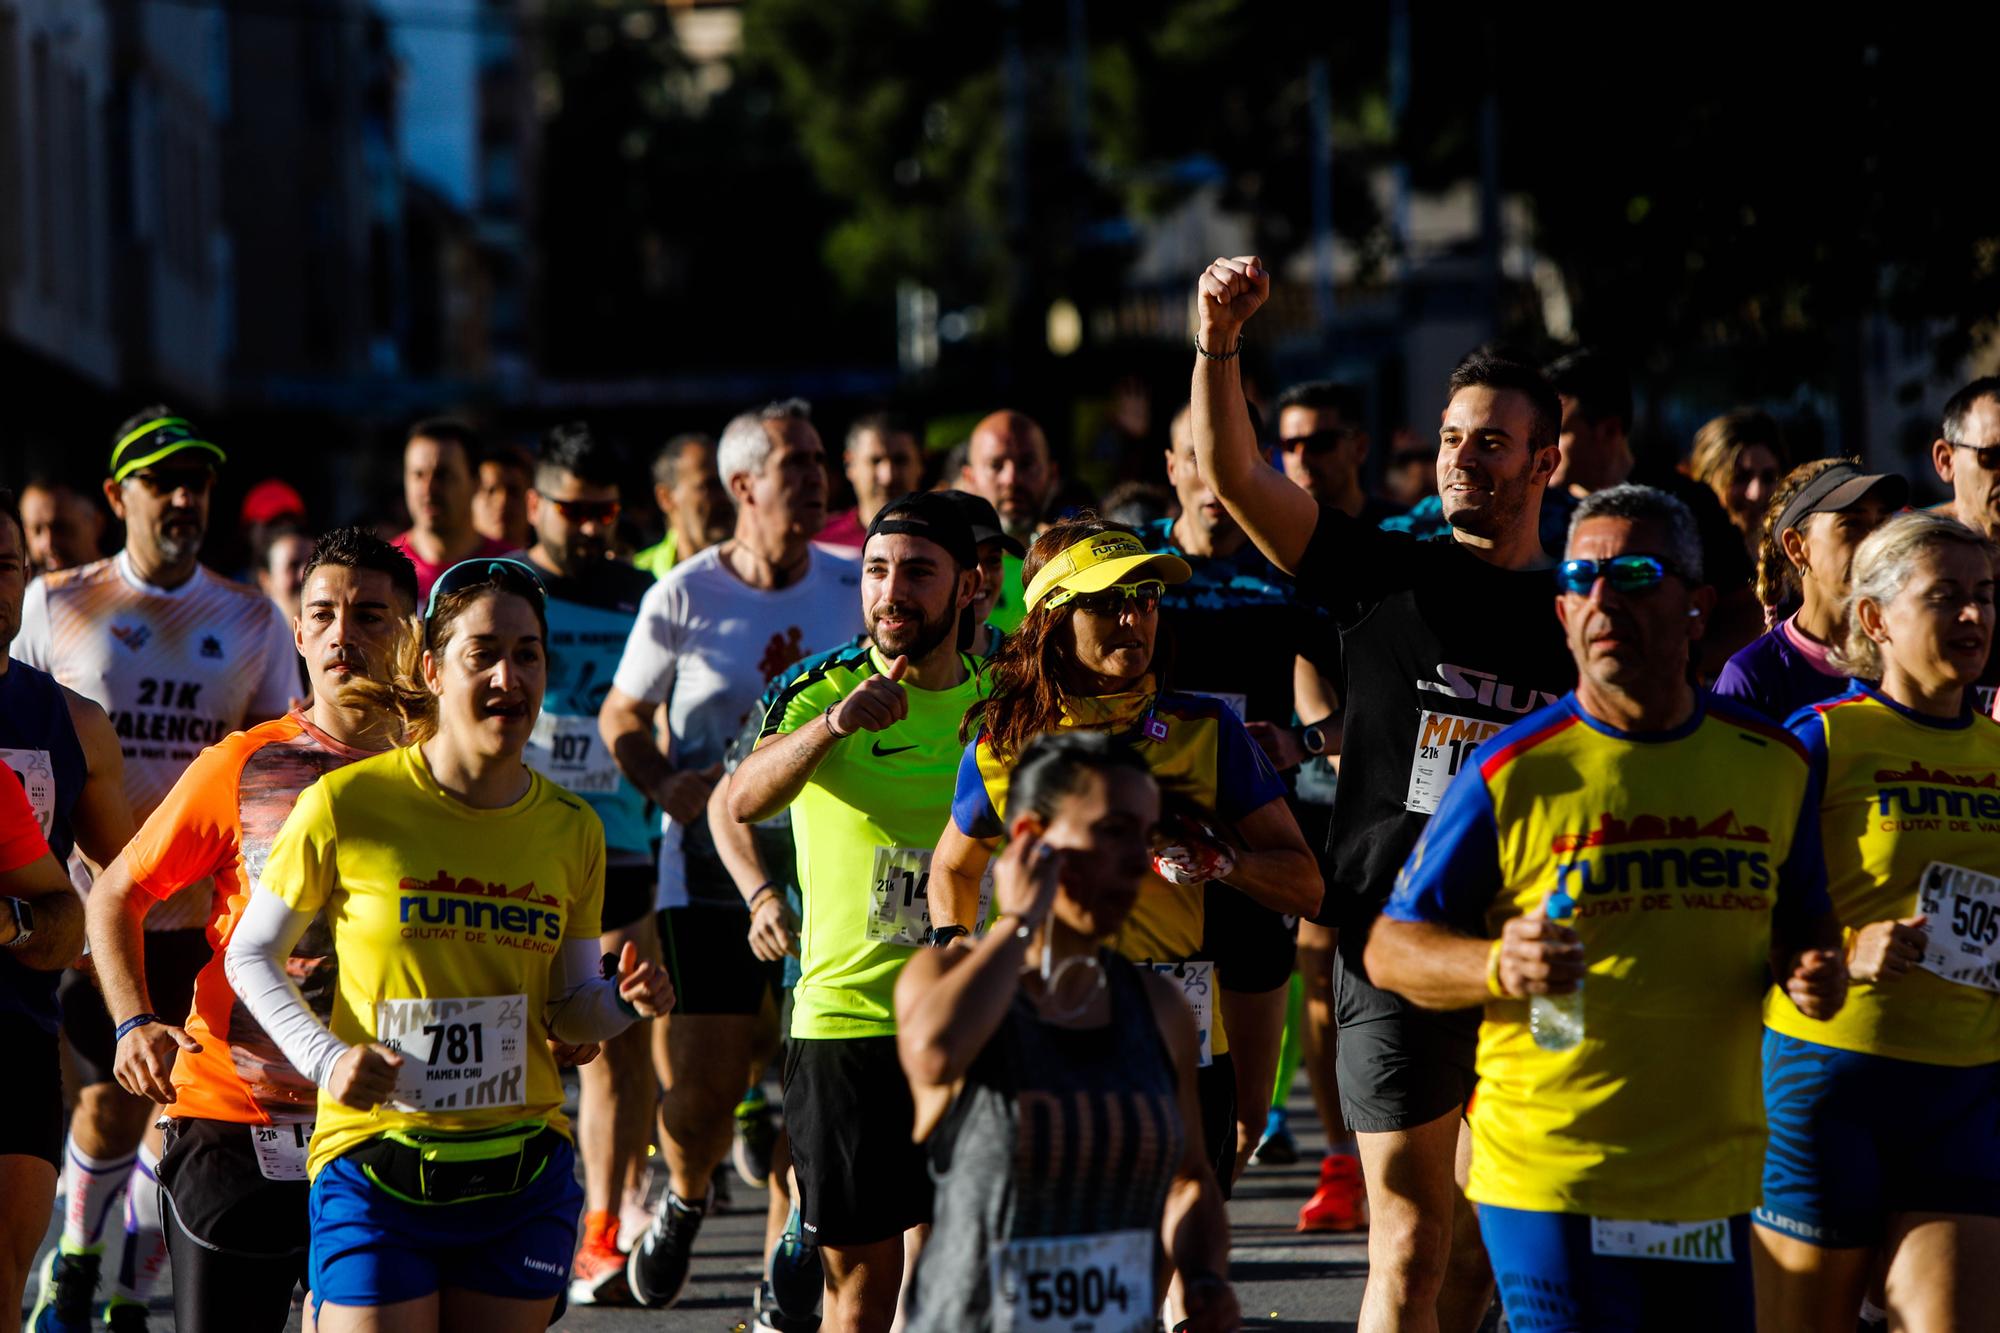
(1341, 1201)
(597, 1274)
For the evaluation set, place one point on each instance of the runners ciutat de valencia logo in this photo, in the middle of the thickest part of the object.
(446, 904)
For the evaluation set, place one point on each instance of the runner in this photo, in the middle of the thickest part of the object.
(707, 638)
(1032, 1052)
(1740, 456)
(234, 1164)
(1322, 443)
(461, 892)
(865, 809)
(1818, 516)
(178, 658)
(438, 458)
(693, 502)
(39, 932)
(593, 601)
(1241, 635)
(64, 525)
(1444, 642)
(1966, 455)
(500, 495)
(1883, 1156)
(884, 461)
(1666, 846)
(1085, 658)
(1007, 464)
(41, 726)
(996, 548)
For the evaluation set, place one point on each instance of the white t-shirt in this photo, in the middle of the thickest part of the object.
(176, 668)
(706, 643)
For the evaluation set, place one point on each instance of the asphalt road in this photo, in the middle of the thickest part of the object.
(1284, 1280)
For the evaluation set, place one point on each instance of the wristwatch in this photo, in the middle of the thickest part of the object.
(1313, 738)
(24, 919)
(939, 936)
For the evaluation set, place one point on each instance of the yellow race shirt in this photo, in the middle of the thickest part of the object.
(1203, 758)
(1902, 793)
(431, 899)
(1678, 847)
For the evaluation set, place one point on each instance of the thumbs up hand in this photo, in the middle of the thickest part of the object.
(877, 704)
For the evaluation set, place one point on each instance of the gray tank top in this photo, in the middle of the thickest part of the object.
(1057, 1133)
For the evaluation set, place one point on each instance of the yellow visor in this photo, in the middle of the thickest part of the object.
(1102, 561)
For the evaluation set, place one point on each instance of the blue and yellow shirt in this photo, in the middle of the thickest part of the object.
(1679, 847)
(1900, 792)
(1199, 753)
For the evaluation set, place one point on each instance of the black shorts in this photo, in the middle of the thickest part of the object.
(31, 1116)
(1399, 1066)
(708, 955)
(628, 893)
(174, 958)
(220, 1196)
(1215, 1089)
(850, 1115)
(1253, 947)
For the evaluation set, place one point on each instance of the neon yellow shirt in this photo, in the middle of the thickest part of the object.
(1678, 848)
(1901, 792)
(430, 898)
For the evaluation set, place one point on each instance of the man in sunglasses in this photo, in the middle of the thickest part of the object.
(179, 657)
(1666, 844)
(593, 601)
(1445, 642)
(1966, 455)
(1322, 445)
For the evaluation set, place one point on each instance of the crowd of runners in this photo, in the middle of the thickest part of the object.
(1614, 850)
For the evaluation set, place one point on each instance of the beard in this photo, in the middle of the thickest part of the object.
(916, 642)
(1509, 501)
(178, 543)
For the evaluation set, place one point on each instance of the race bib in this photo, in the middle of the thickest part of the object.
(1445, 743)
(1074, 1284)
(1687, 1242)
(1964, 910)
(1197, 983)
(1238, 704)
(568, 751)
(457, 1054)
(37, 772)
(900, 911)
(281, 1150)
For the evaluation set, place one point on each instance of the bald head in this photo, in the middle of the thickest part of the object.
(1007, 463)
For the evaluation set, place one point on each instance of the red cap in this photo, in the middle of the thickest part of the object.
(269, 500)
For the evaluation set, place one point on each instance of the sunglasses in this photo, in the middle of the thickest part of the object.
(584, 511)
(167, 480)
(1625, 573)
(1320, 441)
(1986, 455)
(1112, 602)
(509, 574)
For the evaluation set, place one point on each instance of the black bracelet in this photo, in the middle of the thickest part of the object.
(1220, 356)
(768, 886)
(132, 1024)
(832, 730)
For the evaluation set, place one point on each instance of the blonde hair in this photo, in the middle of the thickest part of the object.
(1777, 578)
(401, 689)
(1722, 440)
(1883, 566)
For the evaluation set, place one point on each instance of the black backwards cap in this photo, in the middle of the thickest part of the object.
(928, 514)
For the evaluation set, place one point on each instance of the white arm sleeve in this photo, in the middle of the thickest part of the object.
(583, 1006)
(255, 966)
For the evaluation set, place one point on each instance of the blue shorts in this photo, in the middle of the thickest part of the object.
(369, 1248)
(1551, 1281)
(1855, 1138)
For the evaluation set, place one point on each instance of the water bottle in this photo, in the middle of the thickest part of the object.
(1556, 1021)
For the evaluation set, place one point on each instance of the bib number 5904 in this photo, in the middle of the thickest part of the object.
(1075, 1284)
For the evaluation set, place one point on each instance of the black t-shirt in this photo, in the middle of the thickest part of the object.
(1236, 626)
(1442, 649)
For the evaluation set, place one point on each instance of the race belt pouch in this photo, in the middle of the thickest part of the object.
(433, 1168)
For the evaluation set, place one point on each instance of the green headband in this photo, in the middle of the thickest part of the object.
(170, 436)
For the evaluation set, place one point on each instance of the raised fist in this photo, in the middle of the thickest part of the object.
(1231, 290)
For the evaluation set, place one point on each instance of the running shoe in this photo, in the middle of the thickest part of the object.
(1341, 1201)
(658, 1267)
(768, 1318)
(124, 1316)
(756, 1135)
(797, 1280)
(68, 1291)
(597, 1274)
(1278, 1148)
